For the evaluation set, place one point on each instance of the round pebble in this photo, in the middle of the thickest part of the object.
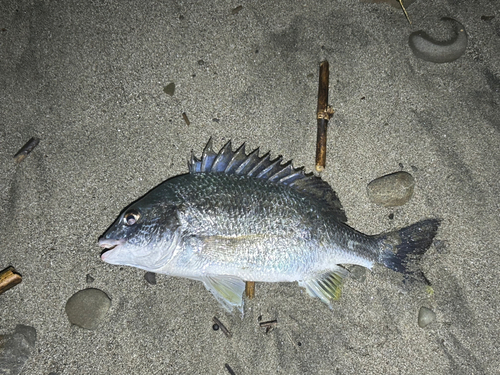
(87, 308)
(391, 190)
(425, 317)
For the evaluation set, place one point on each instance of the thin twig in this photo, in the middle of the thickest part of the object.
(222, 327)
(404, 10)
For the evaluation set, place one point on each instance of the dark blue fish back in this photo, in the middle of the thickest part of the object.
(252, 165)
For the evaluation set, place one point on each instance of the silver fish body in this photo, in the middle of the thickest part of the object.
(238, 217)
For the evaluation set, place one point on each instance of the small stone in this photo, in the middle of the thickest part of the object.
(87, 308)
(391, 190)
(215, 327)
(150, 277)
(169, 89)
(425, 317)
(89, 279)
(16, 348)
(358, 273)
(236, 10)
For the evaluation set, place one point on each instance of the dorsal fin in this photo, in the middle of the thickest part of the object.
(239, 163)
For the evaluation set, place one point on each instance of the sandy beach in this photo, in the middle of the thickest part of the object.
(88, 80)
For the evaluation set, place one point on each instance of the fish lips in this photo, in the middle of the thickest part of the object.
(111, 247)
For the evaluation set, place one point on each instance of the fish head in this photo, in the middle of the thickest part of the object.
(142, 236)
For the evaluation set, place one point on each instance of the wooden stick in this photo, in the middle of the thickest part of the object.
(185, 117)
(222, 327)
(9, 278)
(324, 113)
(269, 325)
(250, 289)
(404, 10)
(26, 149)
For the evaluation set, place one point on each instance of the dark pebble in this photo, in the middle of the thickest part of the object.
(169, 89)
(215, 327)
(150, 277)
(89, 279)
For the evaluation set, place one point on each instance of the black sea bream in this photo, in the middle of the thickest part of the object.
(236, 217)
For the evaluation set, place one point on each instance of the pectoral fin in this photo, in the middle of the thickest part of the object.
(327, 287)
(228, 290)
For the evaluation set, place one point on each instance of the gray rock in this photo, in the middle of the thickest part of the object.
(391, 190)
(169, 89)
(358, 273)
(425, 317)
(87, 308)
(150, 277)
(16, 348)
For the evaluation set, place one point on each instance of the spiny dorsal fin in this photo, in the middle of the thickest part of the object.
(239, 163)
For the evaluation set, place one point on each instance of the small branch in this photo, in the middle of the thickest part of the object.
(222, 327)
(269, 325)
(185, 117)
(404, 10)
(250, 289)
(9, 278)
(26, 149)
(323, 114)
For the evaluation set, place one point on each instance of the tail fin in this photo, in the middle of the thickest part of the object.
(403, 248)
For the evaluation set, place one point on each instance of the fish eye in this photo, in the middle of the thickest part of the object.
(131, 217)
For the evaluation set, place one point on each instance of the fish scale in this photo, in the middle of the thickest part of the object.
(239, 217)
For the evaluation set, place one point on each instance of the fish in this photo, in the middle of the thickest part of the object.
(237, 217)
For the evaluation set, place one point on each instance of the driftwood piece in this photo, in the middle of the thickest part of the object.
(26, 149)
(323, 114)
(9, 278)
(250, 289)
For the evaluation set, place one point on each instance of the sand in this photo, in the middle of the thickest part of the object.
(87, 78)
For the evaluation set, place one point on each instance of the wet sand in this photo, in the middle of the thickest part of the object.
(88, 81)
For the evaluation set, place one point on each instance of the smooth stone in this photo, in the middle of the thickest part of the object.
(87, 308)
(169, 89)
(425, 317)
(15, 349)
(391, 190)
(358, 273)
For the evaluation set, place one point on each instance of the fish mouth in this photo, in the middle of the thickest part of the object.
(109, 244)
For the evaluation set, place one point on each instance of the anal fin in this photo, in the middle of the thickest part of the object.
(327, 287)
(228, 290)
